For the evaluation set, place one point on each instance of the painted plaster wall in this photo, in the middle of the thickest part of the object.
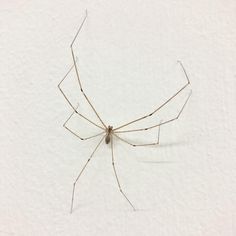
(185, 187)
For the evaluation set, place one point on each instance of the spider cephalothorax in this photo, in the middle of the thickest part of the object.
(108, 134)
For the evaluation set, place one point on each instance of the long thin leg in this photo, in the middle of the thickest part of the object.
(118, 182)
(74, 108)
(158, 125)
(77, 135)
(173, 96)
(76, 180)
(140, 145)
(85, 118)
(77, 71)
(59, 86)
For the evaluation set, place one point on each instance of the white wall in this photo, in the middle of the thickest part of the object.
(127, 50)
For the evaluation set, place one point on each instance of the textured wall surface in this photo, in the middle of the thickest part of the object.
(127, 53)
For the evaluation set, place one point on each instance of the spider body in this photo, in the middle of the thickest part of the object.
(109, 132)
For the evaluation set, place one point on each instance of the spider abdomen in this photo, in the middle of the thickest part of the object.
(107, 139)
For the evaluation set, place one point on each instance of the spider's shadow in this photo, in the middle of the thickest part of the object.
(158, 162)
(181, 143)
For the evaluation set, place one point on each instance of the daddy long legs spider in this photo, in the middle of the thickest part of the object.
(108, 132)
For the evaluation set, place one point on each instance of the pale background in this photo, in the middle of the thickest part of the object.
(185, 187)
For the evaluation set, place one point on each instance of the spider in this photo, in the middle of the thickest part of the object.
(108, 132)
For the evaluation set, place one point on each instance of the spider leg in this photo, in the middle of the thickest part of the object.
(77, 135)
(157, 109)
(114, 169)
(160, 124)
(76, 180)
(59, 87)
(145, 144)
(77, 71)
(74, 108)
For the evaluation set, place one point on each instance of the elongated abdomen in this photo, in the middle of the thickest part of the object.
(108, 139)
